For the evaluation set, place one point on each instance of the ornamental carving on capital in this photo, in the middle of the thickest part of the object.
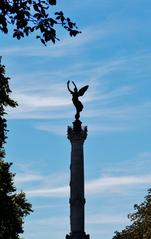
(74, 135)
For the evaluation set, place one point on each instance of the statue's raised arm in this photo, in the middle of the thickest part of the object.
(75, 94)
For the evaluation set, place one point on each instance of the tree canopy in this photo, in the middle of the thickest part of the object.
(141, 222)
(13, 206)
(5, 101)
(28, 16)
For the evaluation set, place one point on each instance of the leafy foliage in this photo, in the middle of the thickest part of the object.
(141, 218)
(5, 100)
(28, 16)
(13, 206)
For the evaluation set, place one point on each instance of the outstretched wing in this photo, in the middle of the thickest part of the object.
(82, 90)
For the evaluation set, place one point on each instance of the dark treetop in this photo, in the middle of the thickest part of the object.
(75, 94)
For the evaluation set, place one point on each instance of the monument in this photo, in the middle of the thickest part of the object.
(77, 134)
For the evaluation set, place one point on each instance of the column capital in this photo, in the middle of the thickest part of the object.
(74, 135)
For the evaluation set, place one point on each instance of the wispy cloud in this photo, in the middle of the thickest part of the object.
(50, 221)
(105, 118)
(51, 180)
(106, 219)
(52, 192)
(59, 129)
(91, 219)
(138, 165)
(65, 47)
(112, 182)
(145, 155)
(92, 187)
(112, 108)
(26, 178)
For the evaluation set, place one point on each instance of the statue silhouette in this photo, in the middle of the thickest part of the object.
(75, 94)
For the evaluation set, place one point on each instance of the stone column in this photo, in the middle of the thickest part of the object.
(77, 136)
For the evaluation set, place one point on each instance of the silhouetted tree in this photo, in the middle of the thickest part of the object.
(13, 206)
(141, 218)
(5, 101)
(27, 16)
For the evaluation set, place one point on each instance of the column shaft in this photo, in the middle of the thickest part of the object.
(77, 198)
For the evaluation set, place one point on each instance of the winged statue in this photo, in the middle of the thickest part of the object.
(75, 95)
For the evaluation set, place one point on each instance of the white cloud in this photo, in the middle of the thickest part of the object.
(145, 155)
(109, 108)
(52, 101)
(92, 187)
(25, 178)
(50, 221)
(51, 180)
(37, 101)
(49, 192)
(62, 48)
(90, 219)
(58, 129)
(138, 165)
(102, 119)
(95, 186)
(106, 219)
(104, 128)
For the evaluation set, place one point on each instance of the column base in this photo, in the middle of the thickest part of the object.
(77, 235)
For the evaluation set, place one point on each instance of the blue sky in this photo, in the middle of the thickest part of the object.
(113, 56)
